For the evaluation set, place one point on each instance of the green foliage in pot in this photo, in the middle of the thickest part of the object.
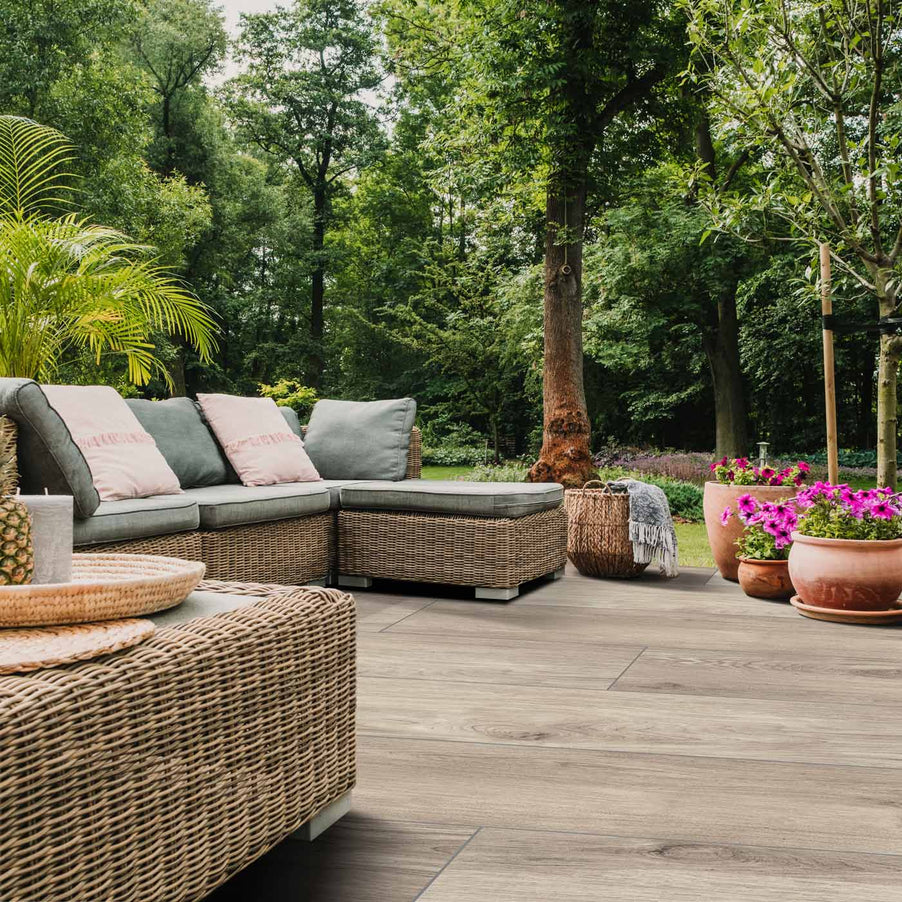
(836, 512)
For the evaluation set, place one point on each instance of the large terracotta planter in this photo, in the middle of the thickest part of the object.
(765, 579)
(722, 539)
(846, 574)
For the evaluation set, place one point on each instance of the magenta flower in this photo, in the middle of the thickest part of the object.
(725, 516)
(746, 504)
(881, 510)
(742, 463)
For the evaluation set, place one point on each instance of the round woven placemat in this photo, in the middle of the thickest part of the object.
(103, 587)
(31, 649)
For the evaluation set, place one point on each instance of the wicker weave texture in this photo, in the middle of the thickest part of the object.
(9, 474)
(280, 551)
(598, 535)
(464, 551)
(415, 455)
(185, 545)
(158, 772)
(288, 552)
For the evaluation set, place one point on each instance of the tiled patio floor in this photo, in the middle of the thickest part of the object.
(606, 741)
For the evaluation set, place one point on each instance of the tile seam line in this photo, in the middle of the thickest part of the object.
(441, 870)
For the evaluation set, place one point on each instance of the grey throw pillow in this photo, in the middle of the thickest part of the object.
(183, 439)
(361, 439)
(48, 457)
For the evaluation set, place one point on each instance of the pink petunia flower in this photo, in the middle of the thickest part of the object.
(725, 516)
(746, 504)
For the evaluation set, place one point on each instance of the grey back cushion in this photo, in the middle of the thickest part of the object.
(183, 439)
(48, 457)
(291, 417)
(361, 439)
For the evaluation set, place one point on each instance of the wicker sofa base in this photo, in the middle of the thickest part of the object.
(290, 552)
(465, 551)
(158, 772)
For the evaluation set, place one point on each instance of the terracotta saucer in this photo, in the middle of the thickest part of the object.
(837, 615)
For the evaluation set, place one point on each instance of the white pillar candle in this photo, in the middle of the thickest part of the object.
(51, 532)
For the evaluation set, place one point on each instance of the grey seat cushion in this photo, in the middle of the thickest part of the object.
(183, 439)
(335, 486)
(360, 439)
(137, 518)
(48, 457)
(222, 506)
(471, 499)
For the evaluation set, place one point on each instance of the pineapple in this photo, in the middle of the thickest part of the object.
(16, 551)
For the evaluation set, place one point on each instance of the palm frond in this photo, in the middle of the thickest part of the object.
(33, 161)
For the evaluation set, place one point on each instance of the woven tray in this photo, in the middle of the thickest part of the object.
(103, 587)
(49, 646)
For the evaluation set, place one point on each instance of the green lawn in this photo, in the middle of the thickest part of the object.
(693, 542)
(444, 472)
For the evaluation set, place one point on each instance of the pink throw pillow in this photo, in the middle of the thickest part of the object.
(123, 457)
(257, 441)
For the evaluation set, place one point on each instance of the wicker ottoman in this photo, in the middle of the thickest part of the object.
(158, 772)
(411, 538)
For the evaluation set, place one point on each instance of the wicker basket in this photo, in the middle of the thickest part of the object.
(598, 534)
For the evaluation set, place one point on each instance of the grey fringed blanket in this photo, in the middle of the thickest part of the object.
(651, 527)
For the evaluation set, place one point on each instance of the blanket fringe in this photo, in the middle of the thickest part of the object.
(655, 545)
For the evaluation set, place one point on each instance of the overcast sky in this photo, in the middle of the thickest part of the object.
(234, 8)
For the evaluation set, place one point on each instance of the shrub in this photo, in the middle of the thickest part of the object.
(291, 393)
(453, 456)
(684, 498)
(510, 472)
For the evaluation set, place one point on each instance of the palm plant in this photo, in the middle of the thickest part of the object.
(67, 284)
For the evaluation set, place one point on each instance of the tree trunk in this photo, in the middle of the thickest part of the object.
(566, 456)
(722, 350)
(887, 401)
(887, 382)
(317, 290)
(179, 388)
(865, 425)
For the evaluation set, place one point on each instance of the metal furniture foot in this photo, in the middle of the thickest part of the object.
(489, 594)
(558, 574)
(321, 822)
(317, 582)
(348, 581)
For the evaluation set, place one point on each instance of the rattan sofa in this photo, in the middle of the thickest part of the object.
(492, 537)
(158, 772)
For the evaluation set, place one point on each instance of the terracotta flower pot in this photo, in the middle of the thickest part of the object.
(765, 579)
(848, 574)
(722, 539)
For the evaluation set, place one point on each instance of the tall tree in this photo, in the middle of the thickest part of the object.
(177, 42)
(542, 83)
(811, 87)
(305, 99)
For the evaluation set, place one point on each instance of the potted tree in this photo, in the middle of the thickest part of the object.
(730, 480)
(847, 551)
(764, 545)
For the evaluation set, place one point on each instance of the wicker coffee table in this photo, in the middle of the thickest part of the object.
(159, 771)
